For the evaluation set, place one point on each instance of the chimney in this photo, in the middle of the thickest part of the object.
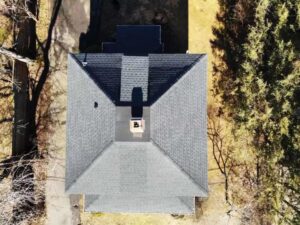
(137, 123)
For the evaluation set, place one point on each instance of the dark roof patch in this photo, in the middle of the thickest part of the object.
(164, 71)
(135, 40)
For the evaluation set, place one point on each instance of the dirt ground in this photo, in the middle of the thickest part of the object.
(67, 35)
(66, 39)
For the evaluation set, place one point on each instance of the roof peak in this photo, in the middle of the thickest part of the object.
(160, 72)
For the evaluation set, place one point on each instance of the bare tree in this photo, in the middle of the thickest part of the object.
(12, 9)
(24, 196)
(27, 92)
(222, 151)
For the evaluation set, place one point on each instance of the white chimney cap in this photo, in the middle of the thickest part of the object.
(137, 125)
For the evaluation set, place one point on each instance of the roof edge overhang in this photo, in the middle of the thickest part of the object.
(201, 192)
(180, 204)
(79, 63)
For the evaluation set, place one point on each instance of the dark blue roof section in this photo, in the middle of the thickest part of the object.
(164, 71)
(105, 70)
(135, 40)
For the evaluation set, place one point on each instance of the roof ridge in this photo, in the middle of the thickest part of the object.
(201, 56)
(179, 167)
(93, 161)
(79, 63)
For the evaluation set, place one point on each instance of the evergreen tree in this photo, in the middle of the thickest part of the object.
(263, 98)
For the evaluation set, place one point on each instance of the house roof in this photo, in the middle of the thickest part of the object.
(109, 73)
(153, 204)
(104, 159)
(135, 40)
(155, 174)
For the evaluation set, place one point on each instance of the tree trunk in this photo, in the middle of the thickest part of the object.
(23, 146)
(26, 36)
(23, 139)
(257, 171)
(226, 190)
(21, 99)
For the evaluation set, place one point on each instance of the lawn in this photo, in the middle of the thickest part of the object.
(202, 14)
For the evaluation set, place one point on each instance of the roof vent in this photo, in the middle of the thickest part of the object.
(137, 125)
(84, 63)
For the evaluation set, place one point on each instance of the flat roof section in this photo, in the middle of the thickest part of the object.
(123, 116)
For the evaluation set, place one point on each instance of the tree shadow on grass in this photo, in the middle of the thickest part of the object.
(105, 15)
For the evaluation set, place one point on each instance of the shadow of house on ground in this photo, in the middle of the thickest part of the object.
(105, 15)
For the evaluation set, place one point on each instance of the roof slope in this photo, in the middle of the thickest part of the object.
(101, 203)
(163, 71)
(167, 69)
(104, 69)
(170, 162)
(135, 169)
(178, 123)
(84, 139)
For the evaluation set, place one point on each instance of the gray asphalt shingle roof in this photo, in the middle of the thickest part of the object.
(163, 71)
(155, 174)
(114, 170)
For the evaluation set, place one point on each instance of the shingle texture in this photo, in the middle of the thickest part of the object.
(105, 70)
(178, 123)
(135, 72)
(135, 169)
(181, 205)
(119, 172)
(163, 71)
(90, 129)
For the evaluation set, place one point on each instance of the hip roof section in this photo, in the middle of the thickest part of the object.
(104, 159)
(156, 73)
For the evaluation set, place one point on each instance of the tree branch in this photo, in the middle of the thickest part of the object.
(6, 120)
(295, 208)
(5, 71)
(5, 173)
(5, 88)
(45, 73)
(14, 55)
(5, 95)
